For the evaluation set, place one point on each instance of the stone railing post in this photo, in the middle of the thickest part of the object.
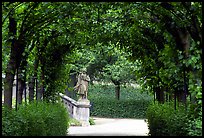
(79, 110)
(83, 112)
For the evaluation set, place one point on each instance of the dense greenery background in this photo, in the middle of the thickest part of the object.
(156, 45)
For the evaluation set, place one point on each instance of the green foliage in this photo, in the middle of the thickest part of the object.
(74, 122)
(194, 125)
(163, 120)
(149, 33)
(171, 72)
(121, 70)
(11, 122)
(91, 121)
(57, 82)
(133, 103)
(36, 119)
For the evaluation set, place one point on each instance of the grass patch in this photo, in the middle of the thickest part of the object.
(74, 122)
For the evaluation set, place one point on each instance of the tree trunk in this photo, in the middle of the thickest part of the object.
(11, 67)
(8, 86)
(180, 95)
(159, 94)
(21, 85)
(166, 97)
(31, 86)
(41, 88)
(32, 81)
(22, 78)
(117, 91)
(184, 42)
(117, 88)
(181, 36)
(17, 48)
(39, 94)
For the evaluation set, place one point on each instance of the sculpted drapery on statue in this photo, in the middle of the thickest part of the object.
(82, 84)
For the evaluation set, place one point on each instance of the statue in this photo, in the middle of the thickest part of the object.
(82, 84)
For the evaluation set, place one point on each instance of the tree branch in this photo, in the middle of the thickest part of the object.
(10, 12)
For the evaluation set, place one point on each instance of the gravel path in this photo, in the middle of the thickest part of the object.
(111, 127)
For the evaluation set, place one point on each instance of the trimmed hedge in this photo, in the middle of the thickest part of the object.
(35, 119)
(132, 104)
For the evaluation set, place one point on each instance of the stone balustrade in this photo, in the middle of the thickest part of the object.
(79, 110)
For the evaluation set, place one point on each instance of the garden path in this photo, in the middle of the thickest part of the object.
(111, 127)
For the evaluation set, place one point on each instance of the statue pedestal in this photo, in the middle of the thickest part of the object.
(83, 112)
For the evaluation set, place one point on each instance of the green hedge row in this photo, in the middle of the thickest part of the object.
(132, 104)
(35, 119)
(119, 109)
(163, 120)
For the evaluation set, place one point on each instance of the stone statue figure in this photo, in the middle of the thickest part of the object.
(82, 84)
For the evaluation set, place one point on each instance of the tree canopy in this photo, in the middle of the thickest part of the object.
(45, 41)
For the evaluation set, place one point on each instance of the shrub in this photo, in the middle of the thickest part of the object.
(11, 122)
(163, 120)
(36, 119)
(194, 125)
